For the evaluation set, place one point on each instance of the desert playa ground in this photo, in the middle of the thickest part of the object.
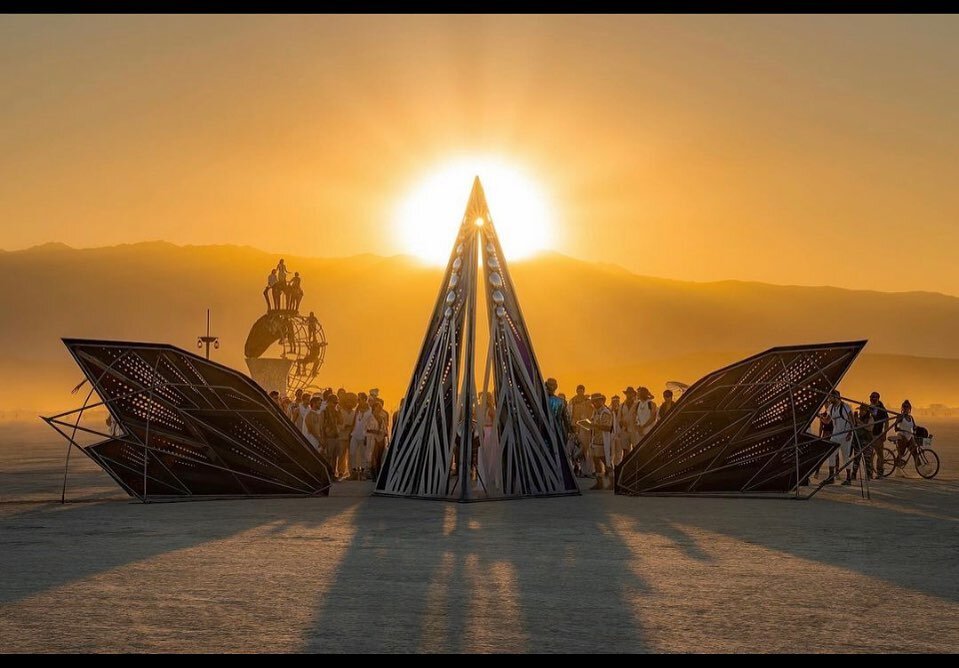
(596, 573)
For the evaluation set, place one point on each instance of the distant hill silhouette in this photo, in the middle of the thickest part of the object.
(594, 323)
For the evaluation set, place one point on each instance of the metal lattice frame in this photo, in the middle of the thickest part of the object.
(438, 415)
(291, 332)
(187, 427)
(744, 429)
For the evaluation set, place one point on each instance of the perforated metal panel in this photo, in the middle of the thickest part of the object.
(743, 429)
(191, 427)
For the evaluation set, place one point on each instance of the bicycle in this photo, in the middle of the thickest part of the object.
(924, 459)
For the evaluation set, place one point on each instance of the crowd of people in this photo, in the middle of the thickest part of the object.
(352, 431)
(861, 434)
(349, 429)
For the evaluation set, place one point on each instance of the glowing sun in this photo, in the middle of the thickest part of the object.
(430, 215)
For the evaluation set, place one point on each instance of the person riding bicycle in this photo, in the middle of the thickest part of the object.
(905, 427)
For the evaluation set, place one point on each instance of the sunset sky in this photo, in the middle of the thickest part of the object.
(787, 149)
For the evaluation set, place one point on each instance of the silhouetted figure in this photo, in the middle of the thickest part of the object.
(271, 288)
(668, 404)
(281, 282)
(296, 292)
(311, 326)
(557, 406)
(580, 409)
(880, 421)
(379, 435)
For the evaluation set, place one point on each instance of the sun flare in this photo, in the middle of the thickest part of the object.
(429, 216)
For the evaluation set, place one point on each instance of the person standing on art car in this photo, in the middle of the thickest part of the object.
(600, 429)
(646, 412)
(311, 327)
(282, 286)
(296, 292)
(269, 289)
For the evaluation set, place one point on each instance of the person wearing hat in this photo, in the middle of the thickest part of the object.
(629, 430)
(645, 412)
(840, 416)
(580, 408)
(600, 427)
(880, 423)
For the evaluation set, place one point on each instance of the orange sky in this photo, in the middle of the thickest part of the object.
(807, 150)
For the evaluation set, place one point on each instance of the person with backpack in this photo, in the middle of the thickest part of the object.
(840, 415)
(646, 412)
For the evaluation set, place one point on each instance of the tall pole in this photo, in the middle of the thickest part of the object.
(209, 338)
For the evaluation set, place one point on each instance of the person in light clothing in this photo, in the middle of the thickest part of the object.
(905, 427)
(491, 450)
(380, 435)
(302, 408)
(359, 457)
(645, 412)
(600, 429)
(627, 420)
(580, 409)
(312, 427)
(840, 416)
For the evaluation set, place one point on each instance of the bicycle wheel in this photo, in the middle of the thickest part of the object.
(927, 463)
(888, 463)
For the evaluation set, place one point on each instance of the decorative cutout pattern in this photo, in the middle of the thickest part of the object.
(441, 403)
(189, 427)
(743, 429)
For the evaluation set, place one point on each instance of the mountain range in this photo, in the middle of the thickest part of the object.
(592, 323)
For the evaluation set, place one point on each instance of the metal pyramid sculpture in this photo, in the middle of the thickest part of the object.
(509, 440)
